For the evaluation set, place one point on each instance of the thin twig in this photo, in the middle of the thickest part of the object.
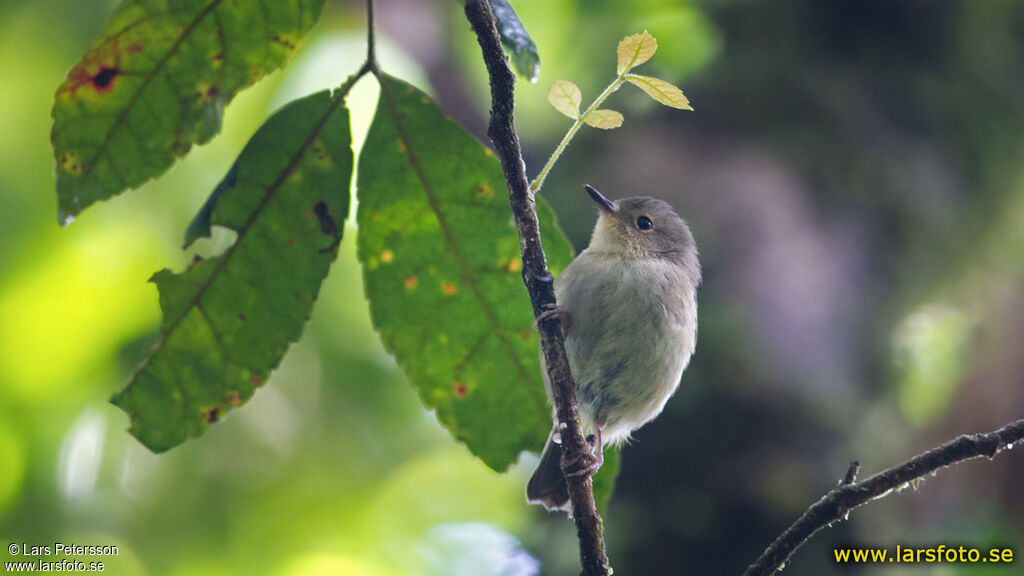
(540, 285)
(342, 91)
(371, 38)
(837, 504)
(851, 473)
(369, 65)
(576, 125)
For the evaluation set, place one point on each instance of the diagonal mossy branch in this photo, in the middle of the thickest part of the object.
(539, 284)
(836, 504)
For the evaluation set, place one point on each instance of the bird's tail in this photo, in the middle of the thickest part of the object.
(547, 485)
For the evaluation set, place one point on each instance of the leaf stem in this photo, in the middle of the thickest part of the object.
(371, 37)
(370, 65)
(539, 180)
(341, 92)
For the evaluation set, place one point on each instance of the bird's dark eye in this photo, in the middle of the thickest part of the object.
(644, 223)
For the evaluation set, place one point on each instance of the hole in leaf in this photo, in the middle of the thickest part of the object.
(105, 77)
(327, 225)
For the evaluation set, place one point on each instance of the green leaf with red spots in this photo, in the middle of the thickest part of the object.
(442, 265)
(156, 81)
(229, 320)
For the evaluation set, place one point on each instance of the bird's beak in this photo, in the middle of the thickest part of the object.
(606, 205)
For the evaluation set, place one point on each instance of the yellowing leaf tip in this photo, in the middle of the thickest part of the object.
(634, 50)
(661, 91)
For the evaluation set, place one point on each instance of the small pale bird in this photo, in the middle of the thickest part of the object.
(628, 305)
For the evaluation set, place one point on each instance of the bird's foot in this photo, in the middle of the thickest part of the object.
(582, 465)
(588, 463)
(552, 311)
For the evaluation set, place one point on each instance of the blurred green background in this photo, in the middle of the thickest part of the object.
(853, 174)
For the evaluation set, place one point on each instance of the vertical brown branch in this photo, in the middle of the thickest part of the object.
(540, 285)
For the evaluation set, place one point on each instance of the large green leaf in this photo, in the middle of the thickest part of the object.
(441, 261)
(156, 81)
(229, 320)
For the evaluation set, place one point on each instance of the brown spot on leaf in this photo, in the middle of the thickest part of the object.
(135, 47)
(485, 190)
(77, 78)
(235, 399)
(98, 69)
(103, 80)
(211, 415)
(411, 282)
(286, 42)
(206, 92)
(449, 289)
(323, 157)
(290, 241)
(180, 147)
(241, 317)
(513, 265)
(459, 389)
(255, 380)
(69, 162)
(387, 256)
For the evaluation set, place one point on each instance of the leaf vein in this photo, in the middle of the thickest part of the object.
(472, 351)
